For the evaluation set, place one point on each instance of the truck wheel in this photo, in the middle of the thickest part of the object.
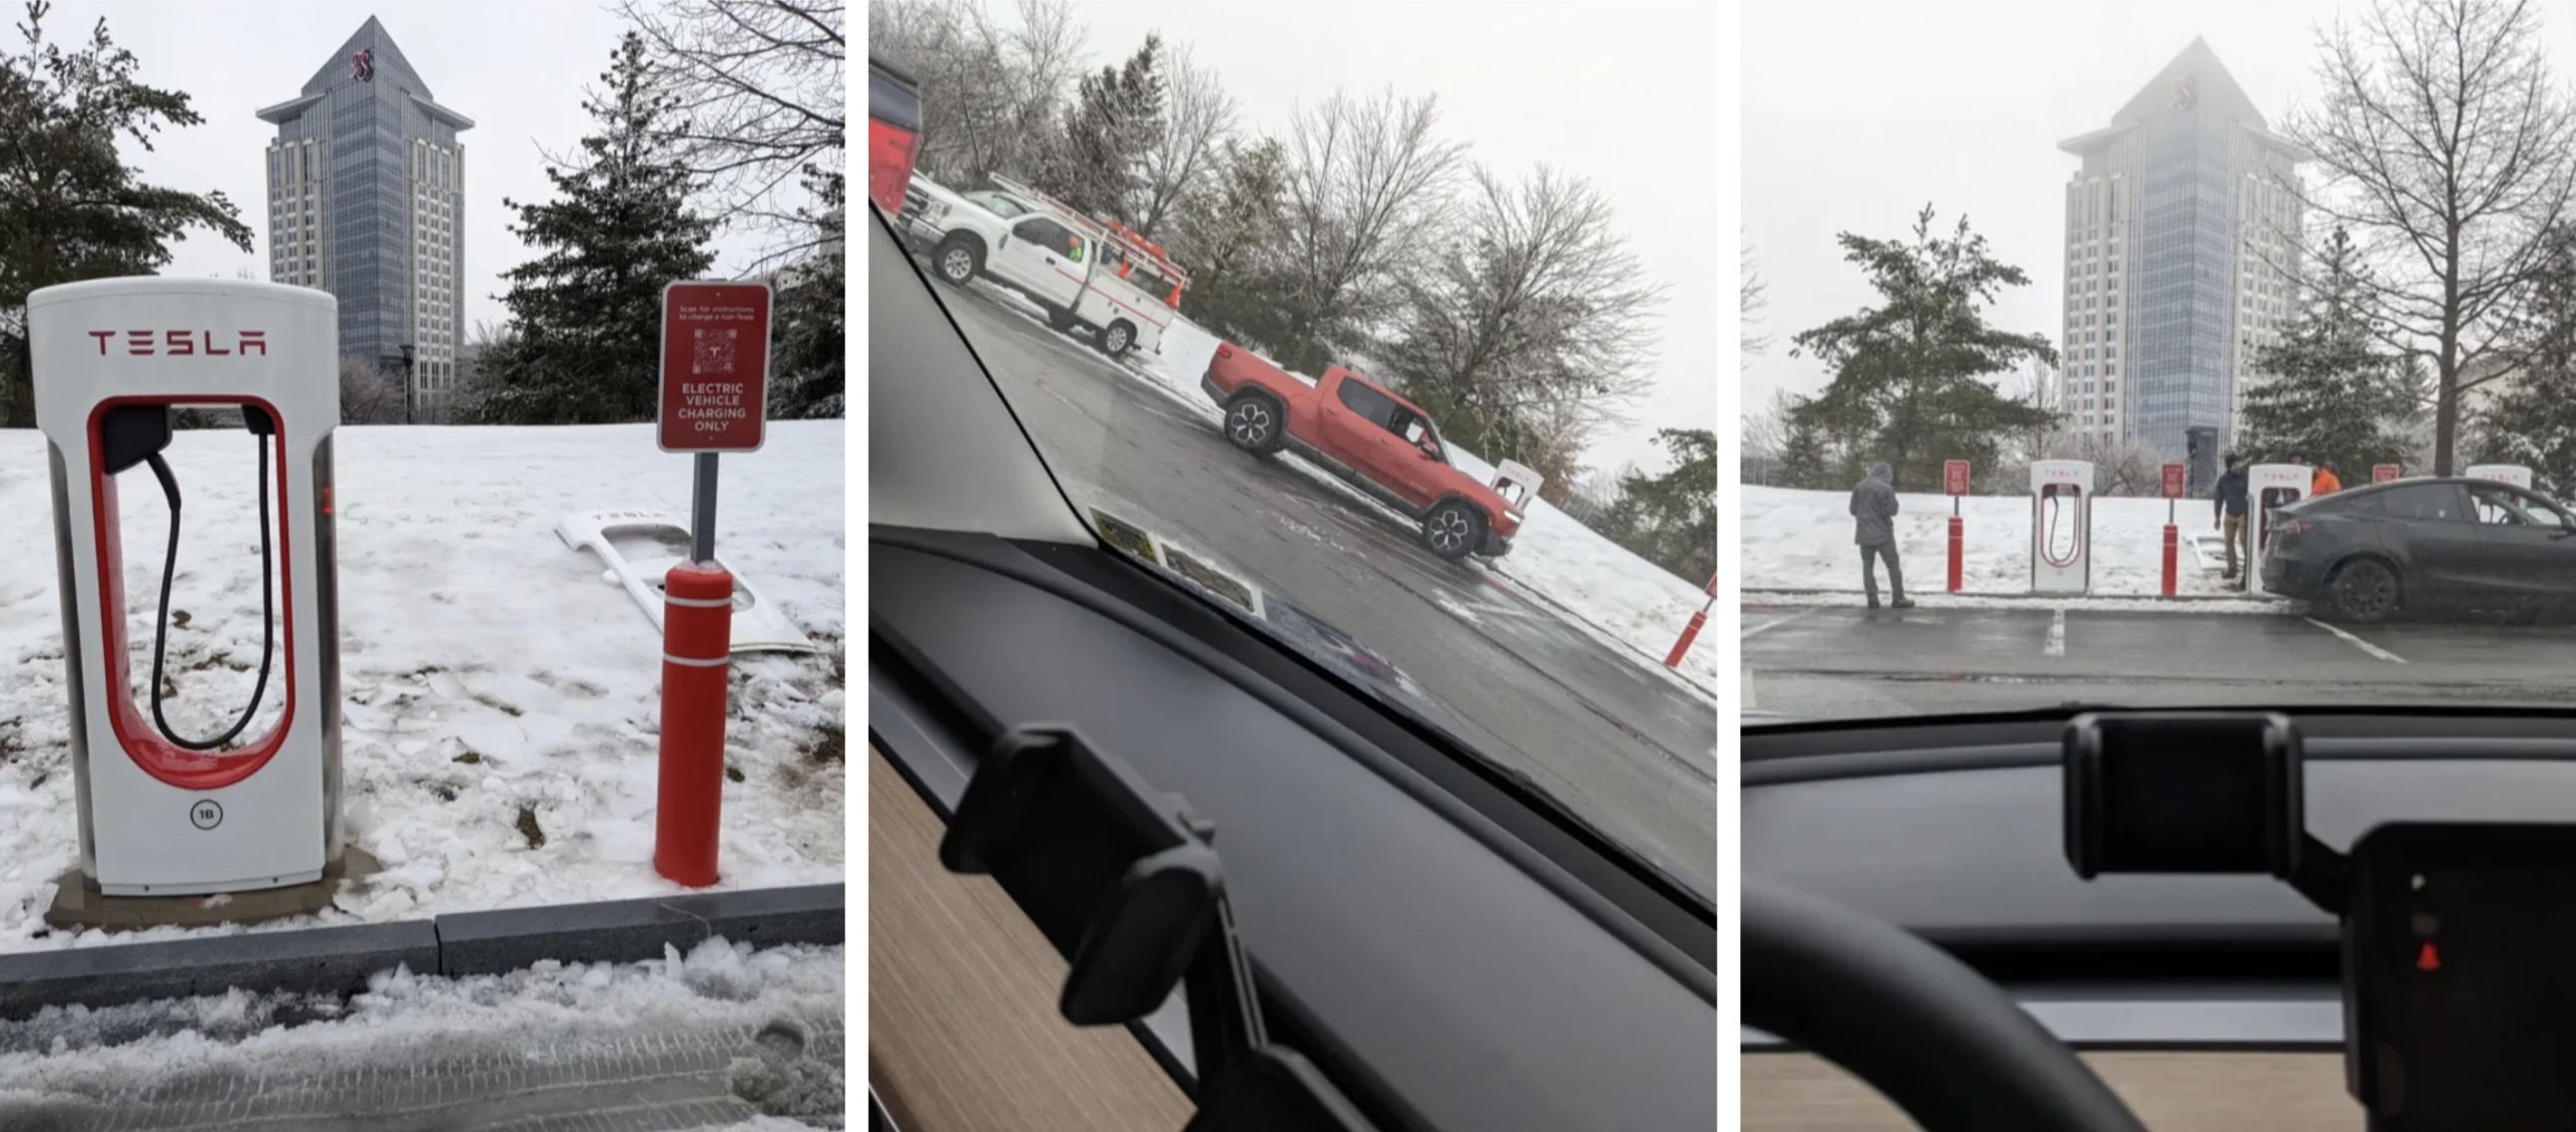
(1453, 529)
(1254, 423)
(2364, 591)
(958, 259)
(1118, 339)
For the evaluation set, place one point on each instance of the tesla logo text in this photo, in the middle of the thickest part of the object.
(144, 343)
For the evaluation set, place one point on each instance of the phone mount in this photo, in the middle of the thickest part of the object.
(163, 812)
(1125, 882)
(2459, 1005)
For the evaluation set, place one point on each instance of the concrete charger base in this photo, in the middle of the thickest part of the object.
(78, 904)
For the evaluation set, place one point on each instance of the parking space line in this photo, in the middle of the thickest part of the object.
(2357, 642)
(1774, 623)
(1747, 691)
(2056, 634)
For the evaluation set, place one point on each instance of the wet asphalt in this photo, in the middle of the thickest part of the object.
(1496, 666)
(1849, 663)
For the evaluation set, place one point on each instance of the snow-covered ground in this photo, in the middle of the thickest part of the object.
(751, 1039)
(1627, 602)
(1802, 540)
(498, 690)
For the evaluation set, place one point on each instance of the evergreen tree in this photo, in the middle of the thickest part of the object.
(1227, 235)
(2327, 390)
(808, 368)
(587, 313)
(1117, 116)
(2533, 421)
(1671, 519)
(1803, 461)
(70, 207)
(1911, 382)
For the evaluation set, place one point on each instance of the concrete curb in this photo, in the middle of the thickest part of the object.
(339, 959)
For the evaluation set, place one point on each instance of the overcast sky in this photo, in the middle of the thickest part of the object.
(1858, 114)
(1622, 95)
(517, 69)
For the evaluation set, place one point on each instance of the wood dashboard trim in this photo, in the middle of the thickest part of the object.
(963, 1034)
(2170, 1092)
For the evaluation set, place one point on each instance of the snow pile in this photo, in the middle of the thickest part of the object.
(754, 1017)
(501, 697)
(1631, 604)
(1802, 540)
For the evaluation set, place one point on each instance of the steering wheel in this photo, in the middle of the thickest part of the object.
(1922, 1028)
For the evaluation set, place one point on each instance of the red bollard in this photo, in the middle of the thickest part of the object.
(1958, 550)
(2173, 548)
(697, 652)
(1690, 632)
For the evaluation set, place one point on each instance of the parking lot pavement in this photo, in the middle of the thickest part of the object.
(1842, 662)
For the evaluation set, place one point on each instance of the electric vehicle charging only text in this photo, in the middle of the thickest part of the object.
(166, 810)
(2061, 539)
(2269, 486)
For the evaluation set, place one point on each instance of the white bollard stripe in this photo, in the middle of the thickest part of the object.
(698, 602)
(697, 662)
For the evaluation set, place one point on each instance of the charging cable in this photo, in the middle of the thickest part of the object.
(267, 602)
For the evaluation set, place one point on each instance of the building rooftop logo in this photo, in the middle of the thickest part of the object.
(362, 66)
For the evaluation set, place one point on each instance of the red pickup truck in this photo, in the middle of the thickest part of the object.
(1381, 443)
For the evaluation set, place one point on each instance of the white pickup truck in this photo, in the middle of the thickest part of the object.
(1087, 274)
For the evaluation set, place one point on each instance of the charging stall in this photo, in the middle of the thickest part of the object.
(2515, 474)
(165, 813)
(2061, 529)
(2268, 486)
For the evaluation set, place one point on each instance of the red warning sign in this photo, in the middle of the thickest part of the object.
(2382, 473)
(1954, 477)
(2172, 481)
(715, 366)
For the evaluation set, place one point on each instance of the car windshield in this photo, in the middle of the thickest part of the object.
(1234, 207)
(2034, 401)
(999, 205)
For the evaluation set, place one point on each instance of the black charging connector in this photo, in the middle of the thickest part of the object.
(131, 434)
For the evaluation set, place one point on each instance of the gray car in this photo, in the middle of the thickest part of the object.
(2425, 546)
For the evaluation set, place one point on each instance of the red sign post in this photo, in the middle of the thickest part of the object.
(715, 399)
(2172, 485)
(1954, 481)
(2382, 473)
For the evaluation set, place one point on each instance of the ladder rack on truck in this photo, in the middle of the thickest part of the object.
(1131, 246)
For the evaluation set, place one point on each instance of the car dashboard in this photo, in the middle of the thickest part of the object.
(2204, 1001)
(1457, 970)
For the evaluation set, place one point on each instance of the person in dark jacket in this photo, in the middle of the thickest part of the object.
(2227, 507)
(1873, 510)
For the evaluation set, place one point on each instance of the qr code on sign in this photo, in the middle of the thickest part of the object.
(715, 351)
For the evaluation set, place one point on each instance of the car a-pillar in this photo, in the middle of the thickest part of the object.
(167, 815)
(2061, 527)
(2268, 486)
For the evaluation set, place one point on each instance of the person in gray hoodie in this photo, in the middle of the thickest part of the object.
(1873, 509)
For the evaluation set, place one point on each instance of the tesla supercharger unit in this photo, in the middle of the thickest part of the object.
(2061, 530)
(2268, 486)
(2515, 474)
(163, 812)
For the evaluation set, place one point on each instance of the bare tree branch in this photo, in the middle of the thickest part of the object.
(2447, 148)
(760, 104)
(1198, 117)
